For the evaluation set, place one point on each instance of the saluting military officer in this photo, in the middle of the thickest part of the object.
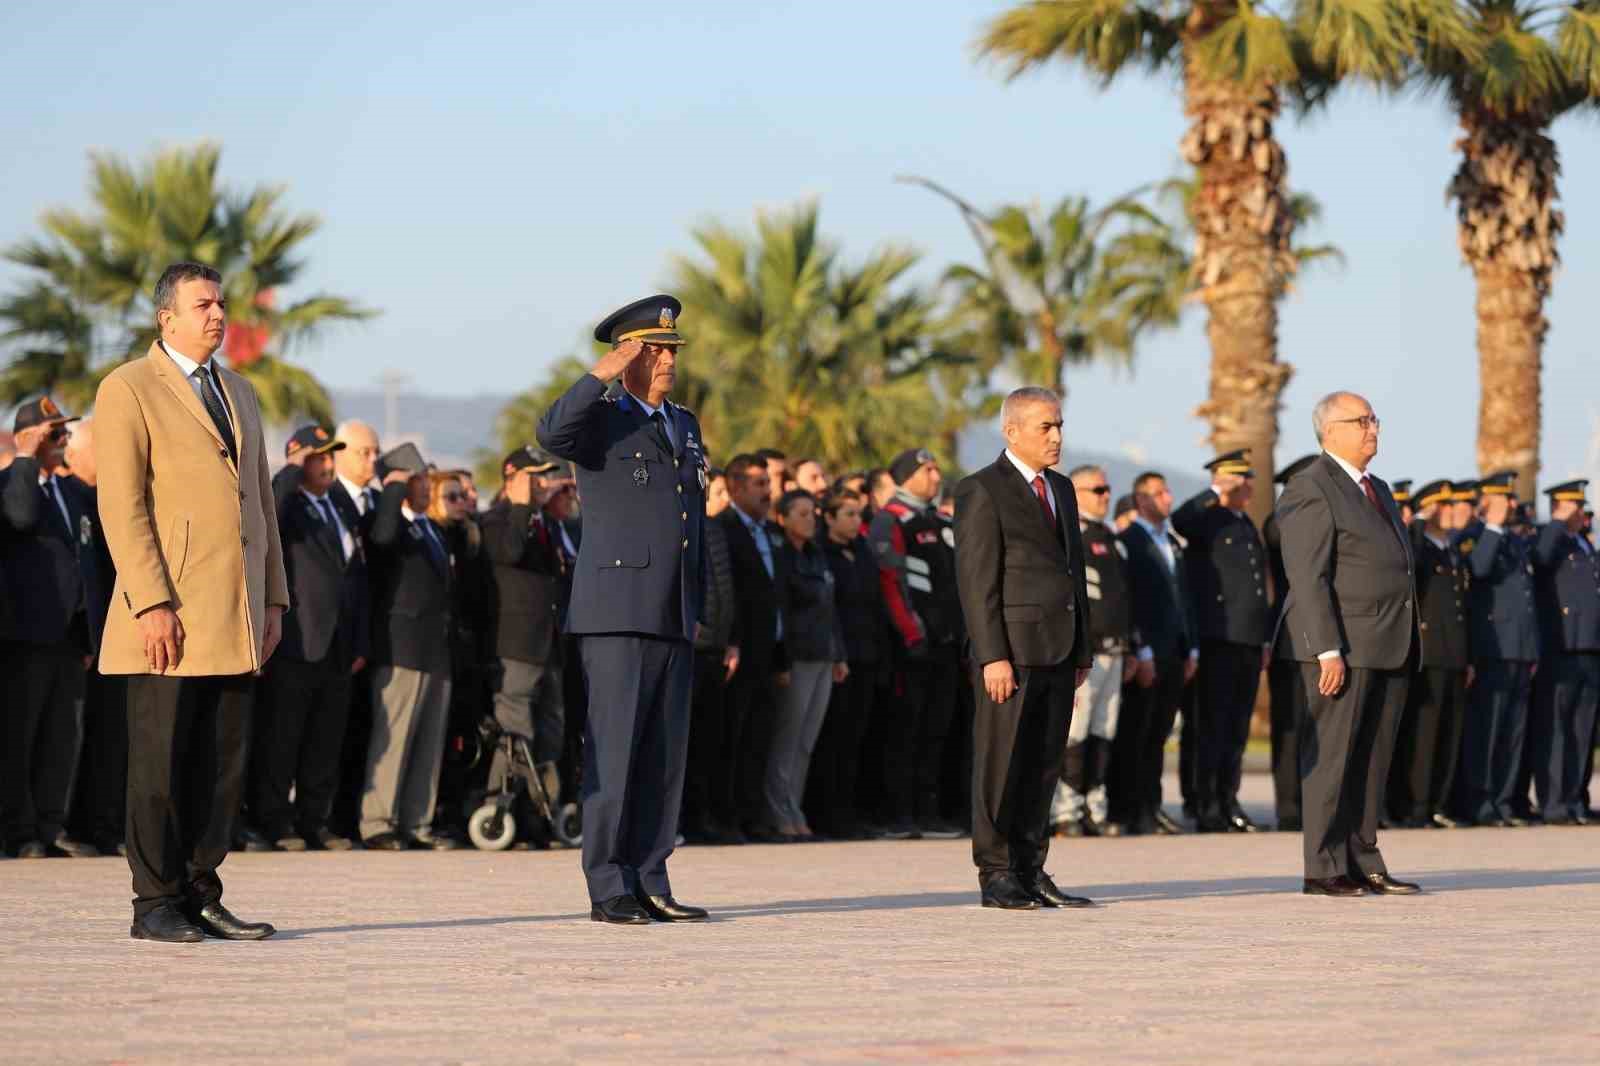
(1285, 689)
(1464, 503)
(1505, 654)
(1228, 579)
(637, 597)
(1568, 687)
(1401, 491)
(1429, 743)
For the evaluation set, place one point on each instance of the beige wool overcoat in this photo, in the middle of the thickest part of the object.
(185, 524)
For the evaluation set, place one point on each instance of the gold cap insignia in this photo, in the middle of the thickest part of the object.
(665, 321)
(48, 406)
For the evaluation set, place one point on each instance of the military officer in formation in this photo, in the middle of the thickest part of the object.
(1227, 570)
(1285, 690)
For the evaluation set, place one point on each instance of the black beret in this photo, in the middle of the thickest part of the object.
(907, 463)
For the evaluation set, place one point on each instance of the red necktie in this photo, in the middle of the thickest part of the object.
(1372, 498)
(1044, 501)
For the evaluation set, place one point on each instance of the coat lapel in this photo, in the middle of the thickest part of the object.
(175, 383)
(1022, 496)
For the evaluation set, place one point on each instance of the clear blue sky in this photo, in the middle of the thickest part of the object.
(495, 177)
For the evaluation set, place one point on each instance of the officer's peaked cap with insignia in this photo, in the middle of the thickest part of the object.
(1401, 490)
(1568, 490)
(1232, 463)
(1499, 483)
(907, 463)
(1294, 468)
(39, 412)
(1433, 492)
(528, 457)
(1463, 490)
(653, 320)
(314, 439)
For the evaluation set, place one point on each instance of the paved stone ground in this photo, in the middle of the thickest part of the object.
(855, 953)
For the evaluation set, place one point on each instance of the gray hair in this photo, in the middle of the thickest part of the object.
(1319, 413)
(1011, 410)
(1084, 471)
(166, 294)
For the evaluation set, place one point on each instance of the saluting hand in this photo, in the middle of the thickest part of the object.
(618, 359)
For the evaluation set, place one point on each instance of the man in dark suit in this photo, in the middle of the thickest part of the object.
(411, 678)
(1227, 572)
(636, 600)
(1284, 688)
(326, 639)
(1568, 688)
(355, 495)
(760, 587)
(1019, 569)
(48, 539)
(1167, 656)
(1352, 623)
(525, 547)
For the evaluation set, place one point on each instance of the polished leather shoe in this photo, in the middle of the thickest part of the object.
(1167, 825)
(1515, 821)
(328, 840)
(667, 909)
(167, 925)
(62, 844)
(1384, 885)
(1240, 822)
(1340, 886)
(386, 842)
(32, 849)
(1072, 827)
(1005, 893)
(221, 923)
(1102, 828)
(247, 839)
(290, 842)
(1043, 889)
(1444, 821)
(619, 910)
(428, 841)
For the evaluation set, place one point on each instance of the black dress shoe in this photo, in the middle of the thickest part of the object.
(64, 845)
(328, 840)
(667, 909)
(1444, 821)
(430, 841)
(939, 829)
(619, 910)
(1341, 886)
(221, 923)
(1240, 822)
(290, 842)
(1043, 889)
(167, 925)
(386, 842)
(1167, 825)
(1072, 827)
(247, 839)
(1005, 893)
(1384, 885)
(1102, 828)
(33, 849)
(1515, 821)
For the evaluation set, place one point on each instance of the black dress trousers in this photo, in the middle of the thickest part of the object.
(1227, 679)
(1345, 750)
(1139, 750)
(1288, 695)
(1016, 763)
(914, 747)
(188, 743)
(299, 744)
(707, 771)
(1428, 745)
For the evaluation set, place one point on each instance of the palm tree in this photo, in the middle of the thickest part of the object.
(1070, 287)
(1523, 66)
(88, 306)
(1236, 60)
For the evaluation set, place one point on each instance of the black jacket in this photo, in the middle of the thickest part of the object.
(527, 581)
(1568, 591)
(810, 624)
(1443, 595)
(1350, 571)
(412, 594)
(54, 568)
(1105, 567)
(759, 598)
(722, 607)
(330, 609)
(1163, 610)
(1023, 591)
(1227, 571)
(472, 608)
(858, 600)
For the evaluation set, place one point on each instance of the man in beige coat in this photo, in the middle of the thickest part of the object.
(187, 508)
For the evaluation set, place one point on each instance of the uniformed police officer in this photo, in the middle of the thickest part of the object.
(1227, 577)
(1505, 654)
(1285, 689)
(636, 599)
(1429, 742)
(1568, 686)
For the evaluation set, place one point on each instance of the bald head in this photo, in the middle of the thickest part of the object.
(80, 452)
(357, 460)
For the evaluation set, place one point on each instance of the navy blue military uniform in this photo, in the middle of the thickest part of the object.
(1505, 650)
(1285, 689)
(1227, 569)
(1567, 690)
(636, 597)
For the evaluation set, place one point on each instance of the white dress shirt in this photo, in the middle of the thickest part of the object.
(1028, 474)
(358, 493)
(189, 366)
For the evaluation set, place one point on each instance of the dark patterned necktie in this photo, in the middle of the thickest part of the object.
(214, 408)
(660, 420)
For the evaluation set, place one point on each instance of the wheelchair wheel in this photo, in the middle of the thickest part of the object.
(568, 824)
(481, 826)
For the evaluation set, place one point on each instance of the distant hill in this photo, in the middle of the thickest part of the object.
(980, 445)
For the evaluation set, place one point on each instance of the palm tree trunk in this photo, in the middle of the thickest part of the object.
(1505, 193)
(1242, 260)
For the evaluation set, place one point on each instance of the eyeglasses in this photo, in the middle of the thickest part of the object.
(1098, 490)
(452, 497)
(1366, 422)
